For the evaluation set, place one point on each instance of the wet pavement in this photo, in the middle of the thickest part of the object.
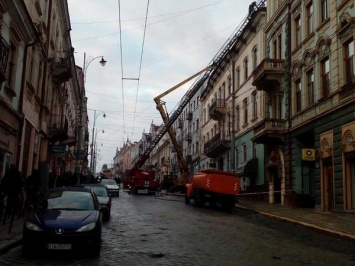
(340, 224)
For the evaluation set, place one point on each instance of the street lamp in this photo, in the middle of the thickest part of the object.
(82, 98)
(93, 137)
(86, 65)
(95, 148)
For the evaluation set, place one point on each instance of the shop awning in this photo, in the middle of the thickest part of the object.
(250, 169)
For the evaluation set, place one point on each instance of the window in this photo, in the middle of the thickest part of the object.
(310, 18)
(230, 85)
(236, 158)
(274, 46)
(237, 118)
(255, 58)
(246, 74)
(298, 91)
(310, 87)
(279, 46)
(11, 66)
(298, 25)
(223, 96)
(39, 78)
(244, 153)
(245, 109)
(325, 78)
(238, 77)
(254, 149)
(254, 104)
(32, 66)
(349, 61)
(324, 10)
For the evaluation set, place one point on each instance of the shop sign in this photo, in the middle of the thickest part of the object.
(308, 154)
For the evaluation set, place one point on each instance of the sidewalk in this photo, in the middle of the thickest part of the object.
(340, 224)
(13, 238)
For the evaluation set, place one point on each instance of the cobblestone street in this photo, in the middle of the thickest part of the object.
(145, 230)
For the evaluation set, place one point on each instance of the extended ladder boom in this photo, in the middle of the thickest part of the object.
(168, 122)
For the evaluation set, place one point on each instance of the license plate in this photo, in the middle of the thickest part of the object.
(144, 191)
(59, 246)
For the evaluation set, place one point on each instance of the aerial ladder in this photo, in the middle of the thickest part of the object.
(168, 122)
(135, 171)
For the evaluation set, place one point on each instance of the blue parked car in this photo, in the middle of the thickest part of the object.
(67, 219)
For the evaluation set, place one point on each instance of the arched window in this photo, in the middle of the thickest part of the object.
(246, 71)
(255, 57)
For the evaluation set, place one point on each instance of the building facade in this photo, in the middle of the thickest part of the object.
(41, 90)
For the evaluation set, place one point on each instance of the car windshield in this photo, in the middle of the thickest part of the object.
(69, 200)
(108, 182)
(99, 191)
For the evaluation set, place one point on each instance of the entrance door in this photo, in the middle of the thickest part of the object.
(328, 191)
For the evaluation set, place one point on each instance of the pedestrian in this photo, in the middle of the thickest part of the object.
(12, 186)
(32, 188)
(33, 183)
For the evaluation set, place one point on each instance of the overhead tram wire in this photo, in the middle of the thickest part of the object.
(140, 65)
(120, 28)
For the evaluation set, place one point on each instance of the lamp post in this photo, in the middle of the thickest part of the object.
(95, 149)
(93, 137)
(82, 94)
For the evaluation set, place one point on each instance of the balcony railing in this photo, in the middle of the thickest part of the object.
(270, 130)
(269, 74)
(188, 137)
(179, 123)
(217, 145)
(218, 109)
(189, 116)
(4, 53)
(61, 68)
(58, 128)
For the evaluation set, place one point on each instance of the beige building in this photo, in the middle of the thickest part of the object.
(16, 38)
(45, 89)
(232, 107)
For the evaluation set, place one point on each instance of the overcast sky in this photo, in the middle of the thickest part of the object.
(149, 46)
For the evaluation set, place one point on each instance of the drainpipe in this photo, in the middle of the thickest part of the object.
(232, 162)
(21, 101)
(288, 87)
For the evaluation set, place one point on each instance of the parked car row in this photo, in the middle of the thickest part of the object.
(68, 219)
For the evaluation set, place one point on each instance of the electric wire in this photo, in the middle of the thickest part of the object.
(121, 53)
(140, 65)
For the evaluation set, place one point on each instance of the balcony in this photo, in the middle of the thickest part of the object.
(217, 145)
(270, 131)
(189, 116)
(269, 74)
(61, 69)
(188, 158)
(4, 53)
(179, 123)
(188, 137)
(218, 109)
(58, 128)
